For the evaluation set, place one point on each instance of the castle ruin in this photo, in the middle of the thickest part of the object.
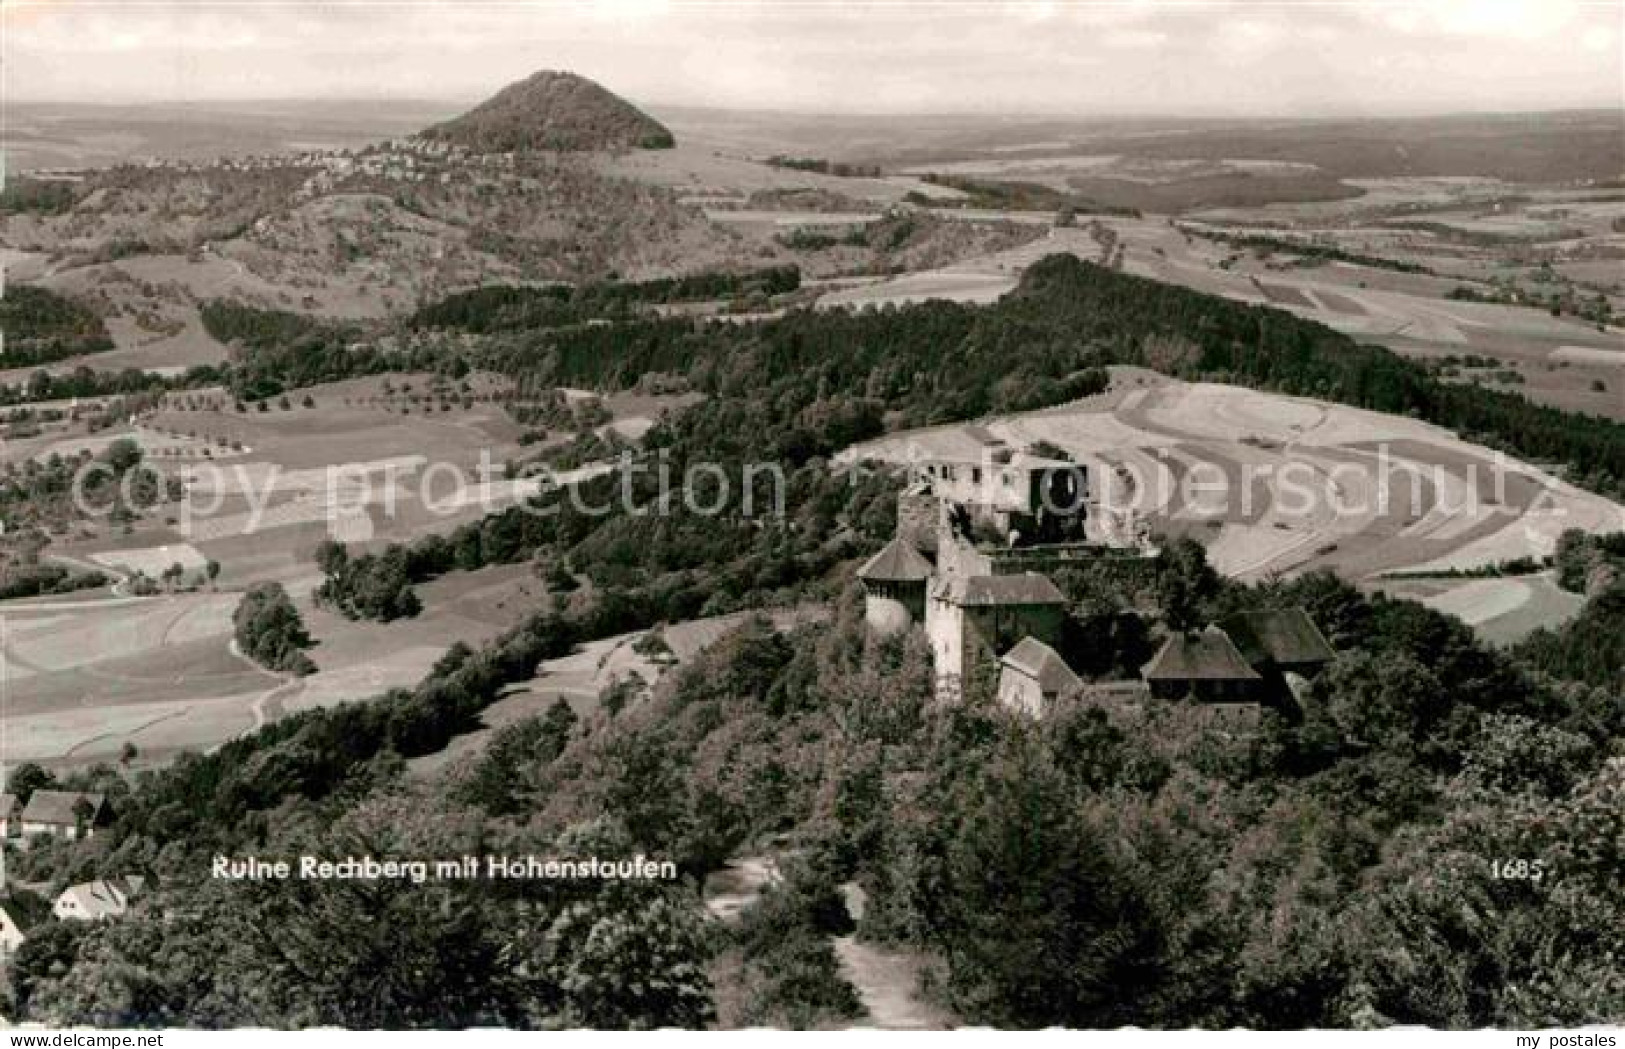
(976, 544)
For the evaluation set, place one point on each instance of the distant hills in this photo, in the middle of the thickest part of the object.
(553, 111)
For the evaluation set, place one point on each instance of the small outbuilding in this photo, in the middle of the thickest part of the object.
(1279, 641)
(1204, 666)
(1032, 675)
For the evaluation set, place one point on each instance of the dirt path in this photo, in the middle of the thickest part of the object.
(267, 706)
(888, 981)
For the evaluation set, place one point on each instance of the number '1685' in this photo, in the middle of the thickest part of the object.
(1518, 870)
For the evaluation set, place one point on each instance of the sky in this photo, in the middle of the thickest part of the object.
(1071, 57)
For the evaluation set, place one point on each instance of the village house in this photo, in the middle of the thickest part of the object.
(65, 814)
(21, 913)
(98, 900)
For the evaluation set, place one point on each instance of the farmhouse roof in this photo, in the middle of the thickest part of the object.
(8, 806)
(1208, 656)
(1043, 664)
(1285, 636)
(983, 591)
(57, 807)
(897, 562)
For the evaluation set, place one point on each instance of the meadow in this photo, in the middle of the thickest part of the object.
(1278, 486)
(89, 674)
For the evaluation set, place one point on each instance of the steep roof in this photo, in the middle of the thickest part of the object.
(982, 591)
(1280, 635)
(1043, 664)
(897, 562)
(12, 920)
(102, 899)
(57, 806)
(8, 806)
(25, 910)
(1208, 656)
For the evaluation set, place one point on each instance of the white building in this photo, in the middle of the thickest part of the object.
(97, 900)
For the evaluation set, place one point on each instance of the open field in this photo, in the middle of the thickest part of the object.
(371, 461)
(1273, 484)
(83, 680)
(152, 561)
(714, 169)
(63, 134)
(790, 220)
(358, 660)
(1560, 361)
(976, 280)
(1572, 145)
(1607, 358)
(161, 673)
(1501, 611)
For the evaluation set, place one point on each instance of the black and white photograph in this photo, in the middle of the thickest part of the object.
(894, 515)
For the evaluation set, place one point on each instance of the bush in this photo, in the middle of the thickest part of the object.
(270, 631)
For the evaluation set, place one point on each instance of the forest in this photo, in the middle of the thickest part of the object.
(42, 327)
(508, 308)
(23, 195)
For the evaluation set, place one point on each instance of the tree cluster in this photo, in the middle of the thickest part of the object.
(270, 631)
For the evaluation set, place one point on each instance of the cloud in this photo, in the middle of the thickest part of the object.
(1190, 57)
(1516, 19)
(1599, 38)
(1135, 39)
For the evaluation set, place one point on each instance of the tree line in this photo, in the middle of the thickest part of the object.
(43, 327)
(495, 308)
